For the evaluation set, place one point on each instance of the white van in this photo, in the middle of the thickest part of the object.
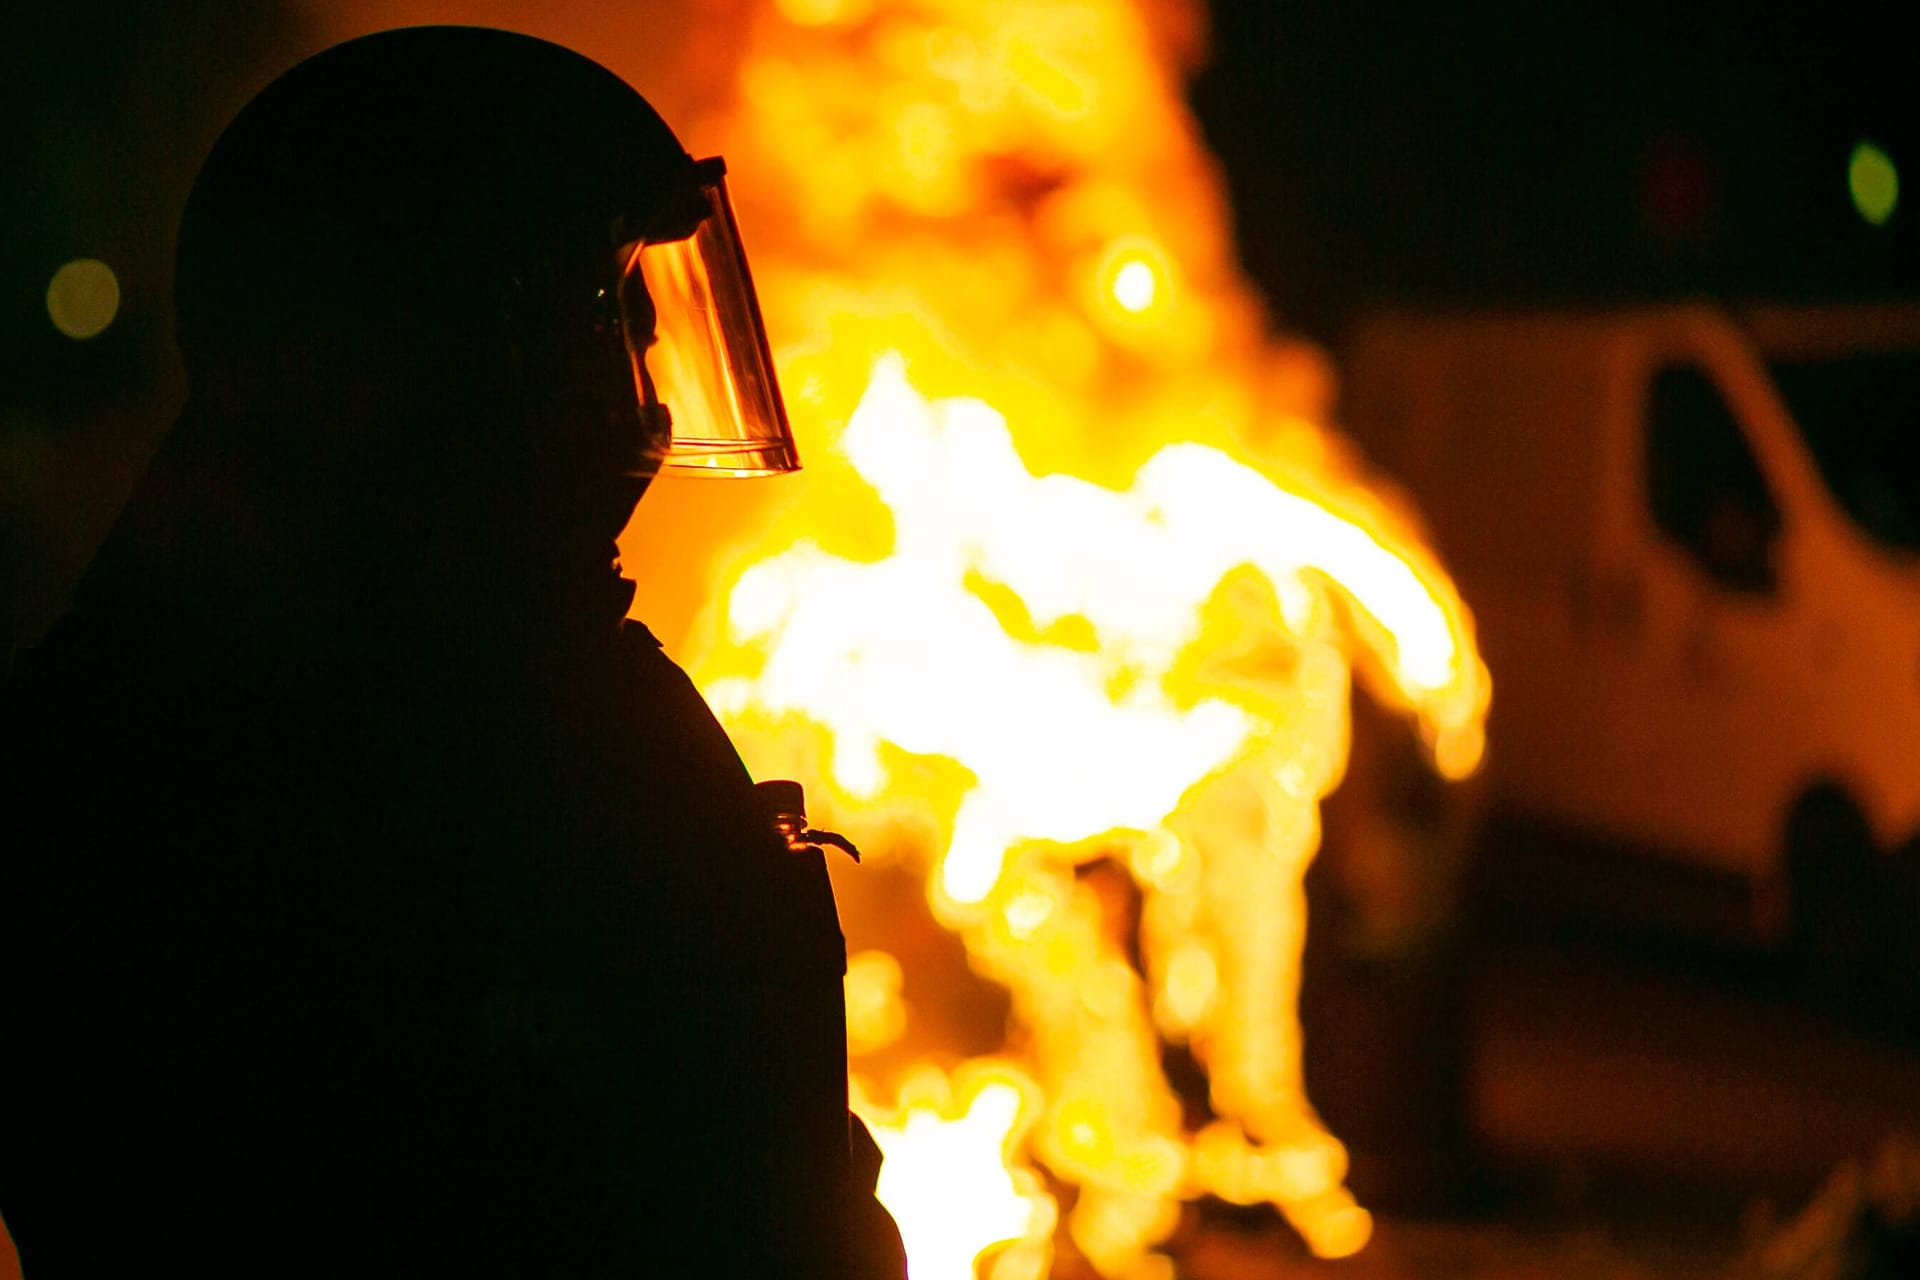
(1691, 538)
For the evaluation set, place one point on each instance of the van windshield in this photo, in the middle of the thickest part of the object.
(1860, 415)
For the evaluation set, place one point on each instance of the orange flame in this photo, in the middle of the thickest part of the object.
(1074, 577)
(950, 1175)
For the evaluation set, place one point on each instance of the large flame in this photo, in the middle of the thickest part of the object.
(948, 1180)
(1063, 613)
(1072, 579)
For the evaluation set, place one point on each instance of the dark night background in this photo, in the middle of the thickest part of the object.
(1469, 151)
(106, 110)
(1461, 153)
(1582, 152)
(1577, 151)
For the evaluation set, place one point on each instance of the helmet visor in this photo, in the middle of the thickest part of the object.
(709, 363)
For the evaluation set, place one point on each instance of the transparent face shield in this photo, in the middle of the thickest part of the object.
(709, 365)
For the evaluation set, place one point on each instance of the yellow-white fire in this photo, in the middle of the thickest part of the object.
(946, 1177)
(1079, 730)
(1065, 610)
(1160, 670)
(1072, 579)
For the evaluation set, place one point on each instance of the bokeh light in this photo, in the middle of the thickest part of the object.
(1076, 583)
(821, 13)
(1134, 286)
(83, 298)
(1873, 181)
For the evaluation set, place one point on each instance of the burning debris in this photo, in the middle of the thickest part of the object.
(1076, 580)
(1863, 1224)
(1062, 617)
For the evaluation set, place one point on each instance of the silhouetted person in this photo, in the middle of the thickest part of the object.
(374, 900)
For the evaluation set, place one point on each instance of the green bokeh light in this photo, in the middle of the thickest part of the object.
(1874, 182)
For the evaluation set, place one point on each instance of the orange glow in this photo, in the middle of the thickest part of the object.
(1063, 616)
(876, 1015)
(953, 1178)
(1072, 577)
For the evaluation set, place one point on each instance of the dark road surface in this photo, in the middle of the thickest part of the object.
(1642, 1108)
(1615, 1050)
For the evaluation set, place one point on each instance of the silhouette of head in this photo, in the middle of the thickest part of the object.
(408, 293)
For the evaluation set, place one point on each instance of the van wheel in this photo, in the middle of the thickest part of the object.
(1830, 873)
(1903, 902)
(1842, 940)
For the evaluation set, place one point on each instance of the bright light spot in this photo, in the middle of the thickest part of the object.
(1039, 607)
(1874, 182)
(875, 1013)
(83, 298)
(1159, 858)
(821, 13)
(946, 1181)
(1134, 286)
(1344, 1232)
(1026, 912)
(1458, 750)
(1190, 984)
(1207, 713)
(1107, 990)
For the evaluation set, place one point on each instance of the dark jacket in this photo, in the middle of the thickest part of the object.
(317, 957)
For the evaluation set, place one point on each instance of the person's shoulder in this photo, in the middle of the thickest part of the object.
(648, 674)
(666, 707)
(643, 660)
(634, 632)
(636, 639)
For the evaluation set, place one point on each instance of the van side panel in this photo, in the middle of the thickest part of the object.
(1494, 426)
(1641, 691)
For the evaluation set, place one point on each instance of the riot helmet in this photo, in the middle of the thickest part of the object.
(447, 190)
